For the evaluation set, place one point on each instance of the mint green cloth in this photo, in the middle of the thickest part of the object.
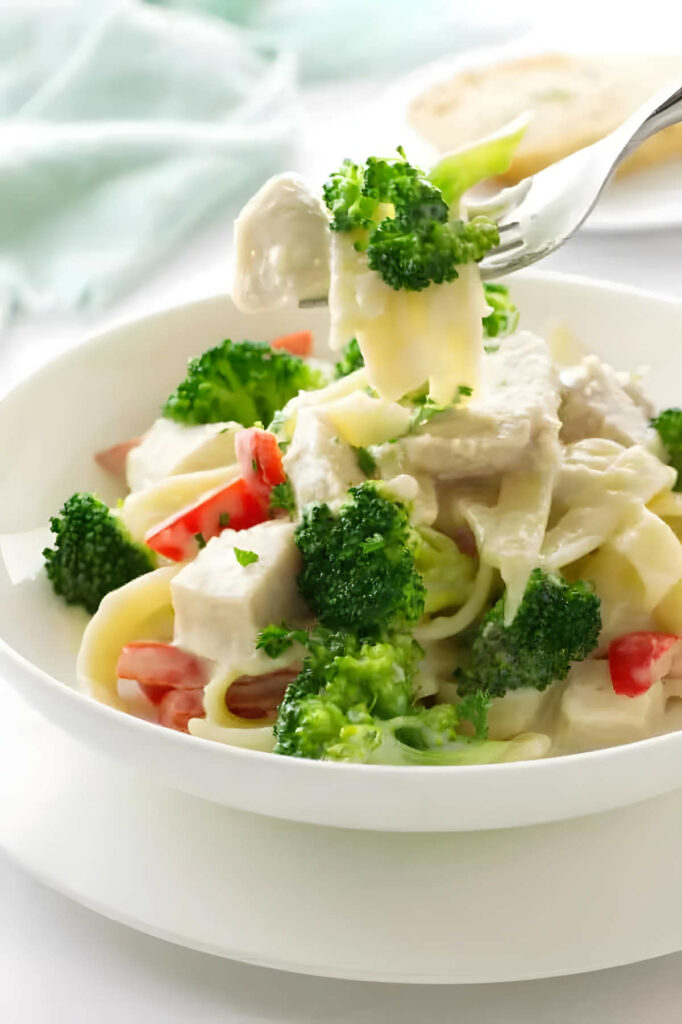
(126, 125)
(340, 38)
(123, 128)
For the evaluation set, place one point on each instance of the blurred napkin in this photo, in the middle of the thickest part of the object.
(340, 38)
(123, 127)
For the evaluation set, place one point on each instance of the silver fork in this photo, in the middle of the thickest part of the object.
(539, 214)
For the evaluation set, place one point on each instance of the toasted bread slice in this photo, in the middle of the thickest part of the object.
(575, 101)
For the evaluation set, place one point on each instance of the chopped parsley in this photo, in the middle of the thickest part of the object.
(282, 496)
(426, 409)
(275, 640)
(245, 557)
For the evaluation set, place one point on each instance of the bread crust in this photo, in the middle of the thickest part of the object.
(575, 101)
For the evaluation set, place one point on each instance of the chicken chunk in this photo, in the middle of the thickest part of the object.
(493, 433)
(320, 466)
(597, 401)
(281, 246)
(221, 605)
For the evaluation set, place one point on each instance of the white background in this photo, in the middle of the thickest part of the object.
(59, 962)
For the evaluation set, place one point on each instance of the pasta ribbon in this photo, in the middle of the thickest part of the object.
(141, 610)
(510, 534)
(600, 484)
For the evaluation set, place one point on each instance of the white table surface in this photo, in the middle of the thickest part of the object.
(60, 962)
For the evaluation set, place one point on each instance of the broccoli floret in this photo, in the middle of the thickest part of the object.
(354, 701)
(346, 199)
(557, 623)
(403, 222)
(340, 676)
(350, 361)
(246, 381)
(504, 318)
(430, 737)
(448, 574)
(413, 254)
(359, 566)
(93, 552)
(354, 194)
(669, 426)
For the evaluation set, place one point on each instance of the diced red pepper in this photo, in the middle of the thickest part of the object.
(178, 706)
(300, 343)
(260, 460)
(158, 668)
(465, 541)
(259, 696)
(154, 693)
(638, 660)
(156, 665)
(113, 459)
(235, 505)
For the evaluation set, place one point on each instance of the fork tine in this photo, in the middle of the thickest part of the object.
(499, 205)
(496, 261)
(510, 238)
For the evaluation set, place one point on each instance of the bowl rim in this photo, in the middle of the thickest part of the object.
(11, 660)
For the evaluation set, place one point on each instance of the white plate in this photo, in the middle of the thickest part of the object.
(478, 907)
(650, 199)
(111, 388)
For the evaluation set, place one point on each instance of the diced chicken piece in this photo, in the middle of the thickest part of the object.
(221, 605)
(591, 715)
(599, 402)
(479, 444)
(493, 433)
(169, 448)
(518, 711)
(282, 241)
(320, 466)
(633, 385)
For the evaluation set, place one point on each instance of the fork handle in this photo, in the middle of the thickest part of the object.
(665, 114)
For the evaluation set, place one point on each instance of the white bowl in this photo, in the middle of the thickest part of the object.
(111, 388)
